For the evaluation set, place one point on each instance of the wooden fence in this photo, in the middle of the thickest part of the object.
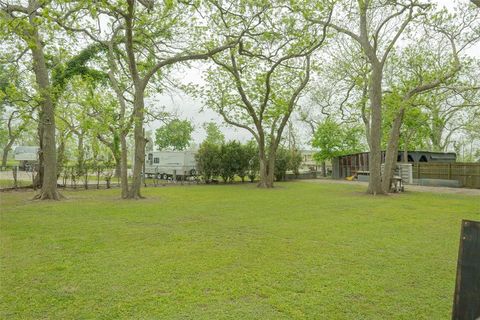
(467, 173)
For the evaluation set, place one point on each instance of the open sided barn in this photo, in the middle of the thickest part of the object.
(428, 168)
(350, 164)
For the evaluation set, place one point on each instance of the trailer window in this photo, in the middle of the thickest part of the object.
(156, 160)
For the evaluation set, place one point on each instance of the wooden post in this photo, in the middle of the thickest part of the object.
(466, 304)
(15, 172)
(98, 177)
(143, 165)
(449, 171)
(33, 178)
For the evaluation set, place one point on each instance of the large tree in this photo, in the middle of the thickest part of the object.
(451, 109)
(256, 85)
(15, 107)
(377, 30)
(424, 66)
(116, 117)
(150, 39)
(29, 32)
(376, 27)
(29, 23)
(339, 94)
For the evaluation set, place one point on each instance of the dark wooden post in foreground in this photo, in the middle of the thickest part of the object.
(466, 304)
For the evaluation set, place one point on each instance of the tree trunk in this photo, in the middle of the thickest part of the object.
(263, 171)
(60, 156)
(124, 165)
(80, 154)
(114, 147)
(117, 156)
(6, 150)
(271, 170)
(138, 105)
(139, 156)
(375, 156)
(118, 167)
(38, 180)
(267, 166)
(123, 172)
(437, 129)
(11, 139)
(392, 151)
(324, 169)
(49, 185)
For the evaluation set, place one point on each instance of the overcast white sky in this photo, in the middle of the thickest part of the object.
(188, 108)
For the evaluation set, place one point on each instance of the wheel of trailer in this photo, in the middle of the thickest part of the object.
(164, 176)
(193, 172)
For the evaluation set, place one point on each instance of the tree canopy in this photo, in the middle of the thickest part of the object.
(174, 135)
(82, 80)
(333, 140)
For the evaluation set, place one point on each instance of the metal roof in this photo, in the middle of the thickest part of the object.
(26, 149)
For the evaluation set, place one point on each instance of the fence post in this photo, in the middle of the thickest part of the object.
(449, 171)
(98, 177)
(86, 179)
(33, 179)
(14, 172)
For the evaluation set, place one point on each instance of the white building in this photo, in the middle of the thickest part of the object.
(26, 155)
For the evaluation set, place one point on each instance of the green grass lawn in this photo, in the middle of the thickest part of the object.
(6, 183)
(302, 251)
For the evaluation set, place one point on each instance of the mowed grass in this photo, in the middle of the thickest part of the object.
(300, 251)
(5, 183)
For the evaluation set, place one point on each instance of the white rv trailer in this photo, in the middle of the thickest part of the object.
(167, 164)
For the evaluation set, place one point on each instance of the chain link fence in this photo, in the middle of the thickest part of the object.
(101, 177)
(88, 177)
(12, 177)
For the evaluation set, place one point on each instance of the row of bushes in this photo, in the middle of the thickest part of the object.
(233, 158)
